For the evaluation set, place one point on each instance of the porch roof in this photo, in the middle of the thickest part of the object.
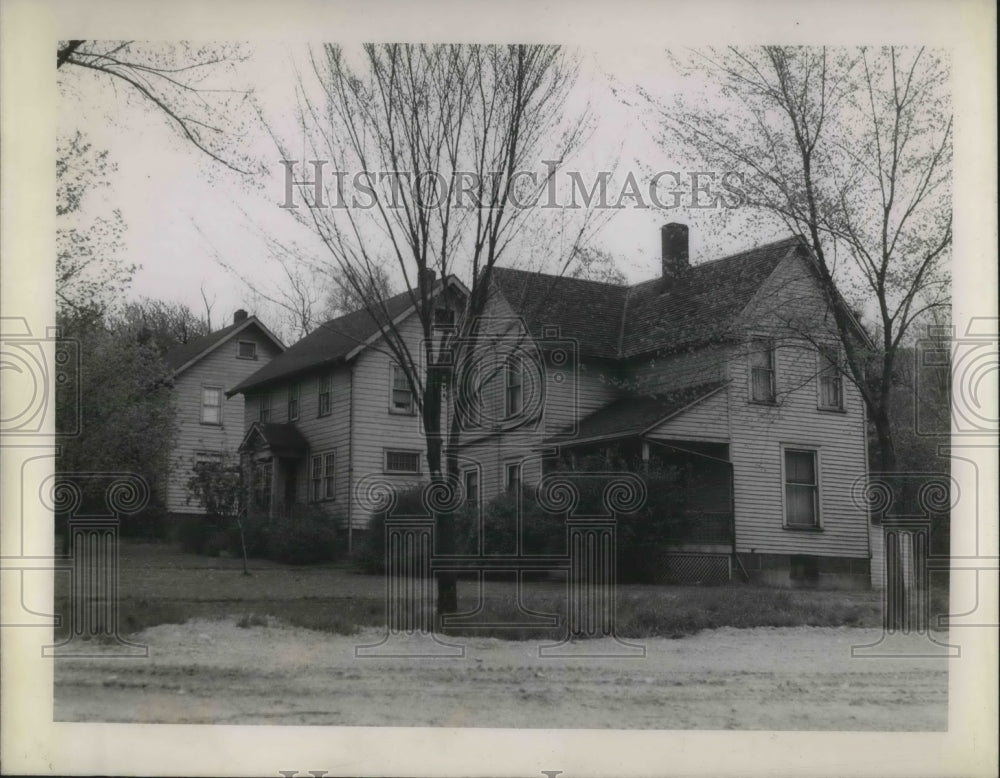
(633, 416)
(282, 439)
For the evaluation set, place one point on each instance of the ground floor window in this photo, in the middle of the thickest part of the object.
(402, 461)
(472, 487)
(801, 488)
(323, 468)
(512, 477)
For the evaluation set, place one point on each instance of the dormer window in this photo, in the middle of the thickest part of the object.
(246, 349)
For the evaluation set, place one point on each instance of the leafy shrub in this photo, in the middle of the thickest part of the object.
(197, 533)
(371, 557)
(306, 536)
(541, 532)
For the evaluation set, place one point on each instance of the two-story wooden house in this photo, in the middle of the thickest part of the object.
(727, 371)
(210, 425)
(334, 408)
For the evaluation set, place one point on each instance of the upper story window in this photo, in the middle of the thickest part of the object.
(469, 393)
(211, 405)
(401, 399)
(264, 412)
(293, 402)
(831, 379)
(246, 349)
(514, 386)
(762, 384)
(801, 489)
(323, 403)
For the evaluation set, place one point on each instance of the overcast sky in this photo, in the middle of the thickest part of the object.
(184, 212)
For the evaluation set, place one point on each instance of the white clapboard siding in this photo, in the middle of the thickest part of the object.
(220, 368)
(325, 434)
(759, 431)
(707, 420)
(376, 427)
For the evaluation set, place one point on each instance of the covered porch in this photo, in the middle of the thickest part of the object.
(273, 455)
(687, 470)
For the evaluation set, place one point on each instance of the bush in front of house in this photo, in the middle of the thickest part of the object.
(541, 532)
(201, 534)
(371, 556)
(306, 536)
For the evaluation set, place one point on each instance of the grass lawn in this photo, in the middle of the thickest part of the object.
(160, 584)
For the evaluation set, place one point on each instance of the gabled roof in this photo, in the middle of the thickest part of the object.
(333, 342)
(701, 305)
(181, 357)
(632, 416)
(282, 439)
(588, 311)
(617, 321)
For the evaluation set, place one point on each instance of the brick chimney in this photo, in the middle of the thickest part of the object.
(673, 250)
(428, 274)
(239, 316)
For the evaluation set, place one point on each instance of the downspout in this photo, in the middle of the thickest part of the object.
(732, 522)
(350, 457)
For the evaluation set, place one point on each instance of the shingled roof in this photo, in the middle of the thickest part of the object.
(329, 344)
(180, 356)
(632, 416)
(588, 311)
(616, 321)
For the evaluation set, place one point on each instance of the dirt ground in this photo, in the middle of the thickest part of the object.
(801, 678)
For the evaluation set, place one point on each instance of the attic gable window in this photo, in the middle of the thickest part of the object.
(401, 399)
(444, 319)
(246, 349)
(762, 370)
(831, 379)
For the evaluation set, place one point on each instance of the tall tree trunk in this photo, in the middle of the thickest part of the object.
(444, 522)
(883, 434)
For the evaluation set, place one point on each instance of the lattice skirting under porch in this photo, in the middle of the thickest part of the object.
(692, 568)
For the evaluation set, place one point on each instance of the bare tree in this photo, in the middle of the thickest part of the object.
(850, 149)
(440, 137)
(176, 79)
